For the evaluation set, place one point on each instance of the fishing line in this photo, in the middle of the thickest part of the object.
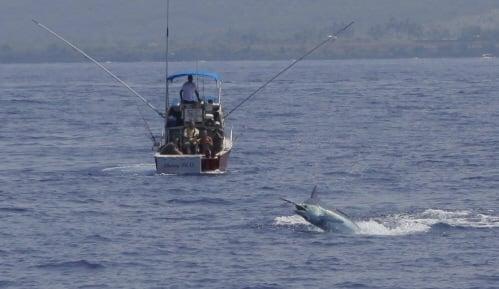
(329, 38)
(101, 66)
(148, 128)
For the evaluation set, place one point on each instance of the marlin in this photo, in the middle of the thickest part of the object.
(327, 219)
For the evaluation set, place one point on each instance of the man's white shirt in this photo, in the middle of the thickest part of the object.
(189, 91)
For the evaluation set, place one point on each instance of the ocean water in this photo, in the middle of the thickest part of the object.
(408, 148)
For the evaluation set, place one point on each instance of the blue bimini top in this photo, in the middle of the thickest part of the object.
(206, 74)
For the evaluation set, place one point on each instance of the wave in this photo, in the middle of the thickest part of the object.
(406, 224)
(215, 172)
(93, 286)
(97, 237)
(140, 169)
(5, 283)
(148, 170)
(80, 264)
(13, 209)
(202, 201)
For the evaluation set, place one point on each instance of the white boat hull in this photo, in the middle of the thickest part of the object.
(191, 164)
(178, 164)
(194, 164)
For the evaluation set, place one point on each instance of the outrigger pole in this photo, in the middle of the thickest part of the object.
(102, 67)
(329, 38)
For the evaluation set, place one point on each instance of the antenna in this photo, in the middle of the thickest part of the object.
(167, 90)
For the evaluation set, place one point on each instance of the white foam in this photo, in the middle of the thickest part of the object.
(137, 168)
(484, 221)
(290, 221)
(442, 214)
(215, 172)
(405, 224)
(295, 221)
(404, 227)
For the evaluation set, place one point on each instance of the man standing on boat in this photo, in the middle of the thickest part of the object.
(189, 89)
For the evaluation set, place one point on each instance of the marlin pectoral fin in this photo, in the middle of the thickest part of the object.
(342, 213)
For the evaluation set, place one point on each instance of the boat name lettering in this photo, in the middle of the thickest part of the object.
(180, 165)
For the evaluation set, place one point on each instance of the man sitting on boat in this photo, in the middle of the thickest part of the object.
(191, 138)
(218, 138)
(206, 144)
(170, 148)
(189, 89)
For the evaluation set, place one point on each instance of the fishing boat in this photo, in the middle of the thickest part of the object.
(194, 140)
(206, 116)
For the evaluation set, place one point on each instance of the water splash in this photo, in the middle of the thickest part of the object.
(405, 224)
(295, 221)
(290, 221)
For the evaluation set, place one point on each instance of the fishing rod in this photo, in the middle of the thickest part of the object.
(102, 67)
(329, 38)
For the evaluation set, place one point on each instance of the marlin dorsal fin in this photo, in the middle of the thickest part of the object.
(313, 195)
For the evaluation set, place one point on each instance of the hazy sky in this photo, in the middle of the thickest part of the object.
(124, 22)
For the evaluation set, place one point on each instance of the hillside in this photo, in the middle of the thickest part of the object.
(134, 30)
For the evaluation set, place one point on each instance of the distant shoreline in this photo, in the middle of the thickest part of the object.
(243, 60)
(344, 49)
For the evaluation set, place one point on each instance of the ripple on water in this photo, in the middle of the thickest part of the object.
(72, 265)
(201, 201)
(14, 209)
(80, 149)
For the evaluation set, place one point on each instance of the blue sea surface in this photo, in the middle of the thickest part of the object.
(408, 148)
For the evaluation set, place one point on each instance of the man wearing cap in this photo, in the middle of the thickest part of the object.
(189, 89)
